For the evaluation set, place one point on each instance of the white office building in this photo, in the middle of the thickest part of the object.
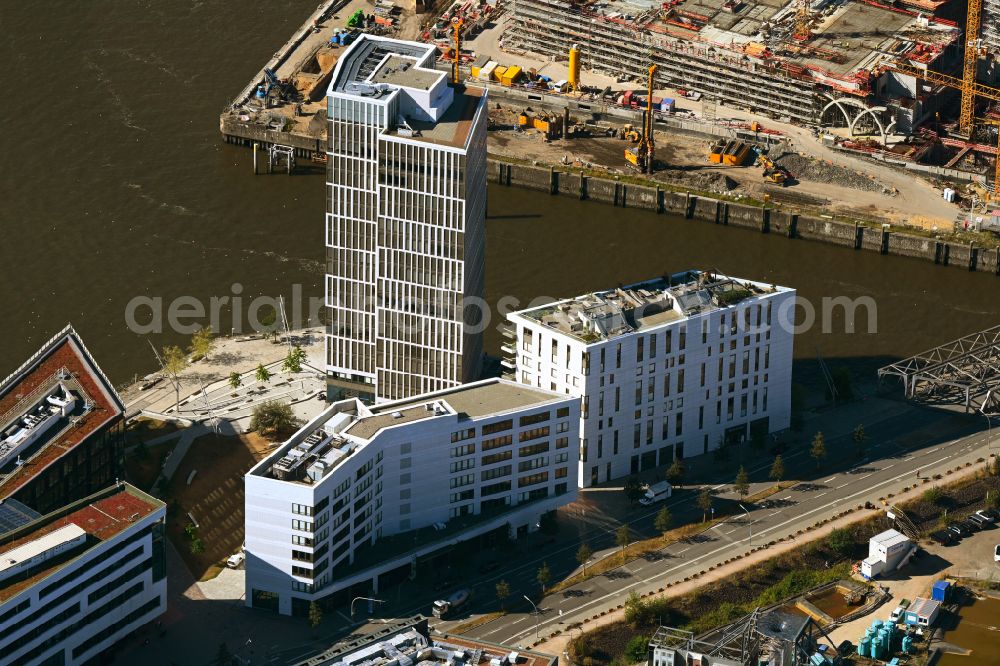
(673, 367)
(405, 226)
(77, 580)
(362, 493)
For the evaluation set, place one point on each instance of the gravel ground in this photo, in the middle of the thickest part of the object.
(806, 168)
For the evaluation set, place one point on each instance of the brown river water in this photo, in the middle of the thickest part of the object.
(116, 184)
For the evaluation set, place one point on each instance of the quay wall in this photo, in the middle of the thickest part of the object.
(623, 194)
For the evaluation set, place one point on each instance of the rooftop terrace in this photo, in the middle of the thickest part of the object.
(96, 519)
(344, 428)
(55, 401)
(609, 314)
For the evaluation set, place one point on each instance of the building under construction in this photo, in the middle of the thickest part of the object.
(807, 62)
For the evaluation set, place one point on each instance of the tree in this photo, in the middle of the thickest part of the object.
(174, 361)
(197, 546)
(818, 450)
(235, 380)
(676, 472)
(859, 438)
(633, 489)
(315, 615)
(842, 381)
(272, 418)
(262, 374)
(623, 537)
(636, 609)
(583, 555)
(544, 576)
(705, 503)
(777, 470)
(201, 343)
(503, 591)
(742, 485)
(294, 360)
(663, 520)
(223, 657)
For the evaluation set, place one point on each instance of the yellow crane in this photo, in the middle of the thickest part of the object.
(457, 25)
(969, 66)
(642, 155)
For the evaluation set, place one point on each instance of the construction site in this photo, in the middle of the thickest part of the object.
(830, 97)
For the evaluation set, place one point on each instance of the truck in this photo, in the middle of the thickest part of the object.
(444, 608)
(656, 492)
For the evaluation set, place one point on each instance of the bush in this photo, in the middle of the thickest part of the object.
(273, 418)
(933, 495)
(841, 542)
(637, 649)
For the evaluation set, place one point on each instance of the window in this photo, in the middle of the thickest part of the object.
(464, 450)
(463, 435)
(494, 488)
(652, 346)
(497, 457)
(562, 442)
(532, 419)
(532, 479)
(302, 571)
(562, 427)
(638, 392)
(495, 473)
(497, 442)
(534, 463)
(302, 510)
(499, 426)
(463, 496)
(534, 433)
(302, 556)
(679, 426)
(639, 349)
(464, 480)
(301, 540)
(561, 473)
(533, 450)
(302, 525)
(461, 465)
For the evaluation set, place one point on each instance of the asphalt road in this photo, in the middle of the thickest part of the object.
(891, 465)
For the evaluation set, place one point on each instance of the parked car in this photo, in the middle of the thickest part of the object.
(959, 529)
(972, 526)
(236, 560)
(996, 553)
(991, 515)
(944, 537)
(896, 614)
(978, 521)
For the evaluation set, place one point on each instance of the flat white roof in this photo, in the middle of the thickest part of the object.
(890, 538)
(53, 539)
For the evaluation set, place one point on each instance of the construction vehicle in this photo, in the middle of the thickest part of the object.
(631, 134)
(773, 172)
(444, 608)
(455, 75)
(642, 155)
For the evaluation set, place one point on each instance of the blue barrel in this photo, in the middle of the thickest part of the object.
(865, 646)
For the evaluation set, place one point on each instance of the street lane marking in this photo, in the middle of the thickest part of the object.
(830, 479)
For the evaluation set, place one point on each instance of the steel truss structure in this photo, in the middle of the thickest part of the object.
(962, 372)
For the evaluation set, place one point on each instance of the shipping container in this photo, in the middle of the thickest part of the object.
(511, 76)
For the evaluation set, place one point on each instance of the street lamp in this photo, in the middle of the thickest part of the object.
(535, 614)
(749, 522)
(357, 599)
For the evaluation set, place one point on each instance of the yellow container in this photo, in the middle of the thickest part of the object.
(511, 76)
(498, 73)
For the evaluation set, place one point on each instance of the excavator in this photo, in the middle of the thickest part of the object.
(773, 173)
(641, 156)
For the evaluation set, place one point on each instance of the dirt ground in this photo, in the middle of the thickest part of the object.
(684, 162)
(214, 498)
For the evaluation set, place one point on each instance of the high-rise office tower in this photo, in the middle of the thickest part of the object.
(405, 222)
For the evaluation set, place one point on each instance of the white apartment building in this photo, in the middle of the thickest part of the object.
(668, 368)
(361, 493)
(77, 580)
(405, 225)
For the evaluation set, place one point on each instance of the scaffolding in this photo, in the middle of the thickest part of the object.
(962, 372)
